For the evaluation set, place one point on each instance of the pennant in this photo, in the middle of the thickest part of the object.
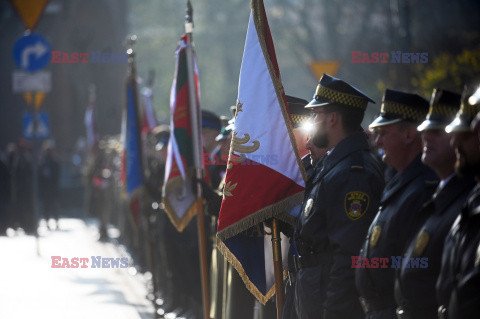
(149, 119)
(131, 171)
(264, 177)
(123, 157)
(178, 197)
(91, 126)
(133, 157)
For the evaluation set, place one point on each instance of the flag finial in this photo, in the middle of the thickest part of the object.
(91, 93)
(189, 18)
(129, 43)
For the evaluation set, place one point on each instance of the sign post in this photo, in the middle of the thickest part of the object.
(31, 53)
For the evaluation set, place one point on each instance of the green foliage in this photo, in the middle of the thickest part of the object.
(448, 71)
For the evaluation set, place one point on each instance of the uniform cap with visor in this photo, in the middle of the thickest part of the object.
(400, 106)
(333, 91)
(469, 107)
(443, 107)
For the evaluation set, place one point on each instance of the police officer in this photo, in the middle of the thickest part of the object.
(339, 204)
(158, 223)
(458, 286)
(415, 282)
(404, 195)
(211, 126)
(213, 194)
(299, 116)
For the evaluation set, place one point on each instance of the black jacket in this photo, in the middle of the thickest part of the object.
(415, 283)
(458, 286)
(393, 226)
(340, 201)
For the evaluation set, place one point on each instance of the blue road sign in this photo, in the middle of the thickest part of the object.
(43, 125)
(32, 52)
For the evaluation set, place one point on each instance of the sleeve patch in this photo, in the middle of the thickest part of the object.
(356, 204)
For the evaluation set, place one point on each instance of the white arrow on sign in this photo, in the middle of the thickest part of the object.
(38, 49)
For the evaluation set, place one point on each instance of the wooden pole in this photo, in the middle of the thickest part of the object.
(130, 42)
(197, 151)
(203, 260)
(278, 267)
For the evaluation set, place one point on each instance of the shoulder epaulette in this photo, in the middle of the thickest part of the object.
(356, 162)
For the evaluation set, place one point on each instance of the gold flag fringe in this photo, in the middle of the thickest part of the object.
(246, 280)
(278, 210)
(181, 223)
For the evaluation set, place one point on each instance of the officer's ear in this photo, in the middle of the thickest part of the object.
(333, 118)
(411, 133)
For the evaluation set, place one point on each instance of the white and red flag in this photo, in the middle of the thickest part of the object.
(265, 177)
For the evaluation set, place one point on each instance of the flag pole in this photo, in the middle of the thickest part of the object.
(130, 42)
(35, 160)
(197, 148)
(278, 267)
(133, 77)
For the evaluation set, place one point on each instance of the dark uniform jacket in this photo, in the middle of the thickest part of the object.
(340, 201)
(458, 286)
(288, 311)
(415, 283)
(390, 232)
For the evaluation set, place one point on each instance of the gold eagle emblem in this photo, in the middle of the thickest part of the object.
(421, 243)
(375, 236)
(238, 144)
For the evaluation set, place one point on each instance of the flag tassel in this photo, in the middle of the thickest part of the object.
(278, 267)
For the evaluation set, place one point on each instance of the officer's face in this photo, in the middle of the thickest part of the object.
(320, 136)
(301, 139)
(466, 145)
(391, 138)
(209, 136)
(437, 152)
(316, 153)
